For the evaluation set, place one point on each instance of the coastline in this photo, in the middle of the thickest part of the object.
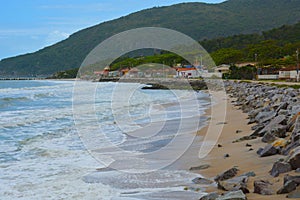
(230, 152)
(239, 154)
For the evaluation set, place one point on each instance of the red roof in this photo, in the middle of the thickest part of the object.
(185, 69)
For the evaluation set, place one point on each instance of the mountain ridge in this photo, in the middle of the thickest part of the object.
(198, 20)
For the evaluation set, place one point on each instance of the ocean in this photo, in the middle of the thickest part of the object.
(48, 151)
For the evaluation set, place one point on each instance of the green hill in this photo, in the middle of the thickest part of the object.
(198, 20)
(276, 47)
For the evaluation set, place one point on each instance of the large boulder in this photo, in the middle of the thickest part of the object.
(227, 174)
(265, 116)
(234, 195)
(263, 187)
(268, 138)
(279, 168)
(210, 196)
(291, 122)
(287, 178)
(237, 183)
(276, 127)
(269, 150)
(294, 158)
(287, 187)
(295, 194)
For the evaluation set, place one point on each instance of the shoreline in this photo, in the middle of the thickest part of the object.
(239, 154)
(243, 154)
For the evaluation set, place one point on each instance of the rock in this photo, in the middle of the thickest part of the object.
(280, 143)
(226, 155)
(297, 124)
(282, 107)
(201, 167)
(290, 147)
(251, 149)
(288, 187)
(258, 127)
(279, 168)
(283, 112)
(220, 123)
(287, 178)
(227, 174)
(234, 195)
(263, 187)
(219, 145)
(202, 181)
(238, 131)
(295, 194)
(269, 150)
(248, 145)
(249, 174)
(268, 138)
(291, 122)
(276, 126)
(251, 137)
(297, 170)
(294, 158)
(237, 183)
(210, 196)
(265, 116)
(295, 137)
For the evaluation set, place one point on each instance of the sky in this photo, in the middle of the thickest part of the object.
(29, 25)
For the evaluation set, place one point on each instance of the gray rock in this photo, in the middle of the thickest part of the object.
(249, 174)
(287, 178)
(295, 194)
(268, 138)
(237, 183)
(263, 187)
(226, 155)
(276, 126)
(295, 137)
(269, 150)
(227, 174)
(283, 112)
(282, 106)
(294, 158)
(200, 167)
(297, 125)
(288, 187)
(290, 147)
(234, 195)
(279, 168)
(265, 116)
(210, 196)
(202, 181)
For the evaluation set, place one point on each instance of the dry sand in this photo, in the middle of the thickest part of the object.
(239, 154)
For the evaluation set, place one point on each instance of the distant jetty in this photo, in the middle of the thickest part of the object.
(21, 79)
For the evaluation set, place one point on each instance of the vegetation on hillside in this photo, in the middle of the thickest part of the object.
(276, 47)
(198, 20)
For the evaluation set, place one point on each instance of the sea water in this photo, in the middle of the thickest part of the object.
(42, 155)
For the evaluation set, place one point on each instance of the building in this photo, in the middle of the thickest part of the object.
(187, 72)
(290, 73)
(222, 69)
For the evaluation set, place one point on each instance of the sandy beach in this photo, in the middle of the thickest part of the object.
(239, 154)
